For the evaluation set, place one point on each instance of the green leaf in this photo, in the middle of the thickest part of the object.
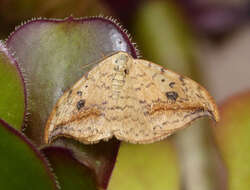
(101, 157)
(151, 167)
(70, 172)
(12, 92)
(55, 54)
(233, 140)
(22, 165)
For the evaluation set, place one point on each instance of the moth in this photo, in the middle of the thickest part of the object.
(133, 100)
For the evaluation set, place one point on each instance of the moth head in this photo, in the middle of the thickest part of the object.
(120, 63)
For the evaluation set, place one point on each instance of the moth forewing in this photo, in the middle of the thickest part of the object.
(132, 99)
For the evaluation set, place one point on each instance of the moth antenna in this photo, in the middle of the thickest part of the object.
(88, 65)
(93, 63)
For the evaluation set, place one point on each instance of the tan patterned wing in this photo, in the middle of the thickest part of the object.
(163, 102)
(80, 113)
(135, 100)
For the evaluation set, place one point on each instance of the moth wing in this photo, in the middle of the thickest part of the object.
(164, 102)
(152, 104)
(80, 112)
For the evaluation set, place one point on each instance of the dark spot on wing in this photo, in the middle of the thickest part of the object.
(126, 71)
(79, 93)
(142, 101)
(80, 104)
(181, 78)
(171, 84)
(172, 95)
(137, 89)
(162, 80)
(105, 102)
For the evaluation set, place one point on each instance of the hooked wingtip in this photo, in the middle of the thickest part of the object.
(217, 115)
(213, 112)
(214, 115)
(211, 107)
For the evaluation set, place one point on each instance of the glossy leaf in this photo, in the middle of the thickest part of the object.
(12, 90)
(55, 54)
(22, 165)
(151, 167)
(101, 157)
(233, 140)
(70, 172)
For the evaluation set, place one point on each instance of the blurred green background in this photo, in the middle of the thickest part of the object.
(207, 40)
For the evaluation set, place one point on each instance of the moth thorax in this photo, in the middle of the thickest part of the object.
(120, 69)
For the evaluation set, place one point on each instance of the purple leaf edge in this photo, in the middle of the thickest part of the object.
(109, 20)
(132, 46)
(70, 154)
(134, 53)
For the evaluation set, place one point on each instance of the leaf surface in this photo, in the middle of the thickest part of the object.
(12, 90)
(55, 54)
(233, 140)
(70, 172)
(22, 165)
